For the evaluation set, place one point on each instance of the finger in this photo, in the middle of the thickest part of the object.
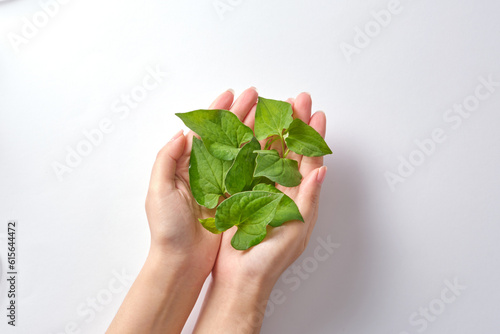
(302, 107)
(223, 101)
(308, 164)
(241, 107)
(308, 197)
(166, 163)
(250, 118)
(301, 110)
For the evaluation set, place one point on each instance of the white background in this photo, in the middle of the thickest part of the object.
(397, 248)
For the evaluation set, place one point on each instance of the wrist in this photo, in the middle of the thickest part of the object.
(161, 298)
(179, 267)
(251, 286)
(234, 306)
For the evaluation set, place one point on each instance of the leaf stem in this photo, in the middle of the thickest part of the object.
(270, 141)
(286, 153)
(282, 146)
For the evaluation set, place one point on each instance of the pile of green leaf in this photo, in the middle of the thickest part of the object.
(229, 161)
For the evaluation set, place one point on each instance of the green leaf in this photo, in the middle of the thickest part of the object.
(272, 117)
(248, 236)
(277, 169)
(226, 165)
(250, 211)
(221, 131)
(240, 175)
(287, 209)
(209, 224)
(261, 180)
(206, 175)
(303, 139)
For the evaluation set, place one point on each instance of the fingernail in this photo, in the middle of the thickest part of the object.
(177, 135)
(307, 93)
(255, 89)
(230, 90)
(321, 174)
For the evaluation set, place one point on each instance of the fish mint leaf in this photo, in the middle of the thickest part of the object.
(283, 171)
(206, 175)
(261, 180)
(303, 139)
(240, 175)
(287, 209)
(221, 131)
(251, 212)
(247, 236)
(272, 117)
(209, 224)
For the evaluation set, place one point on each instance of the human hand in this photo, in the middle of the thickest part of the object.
(243, 280)
(282, 245)
(171, 208)
(182, 252)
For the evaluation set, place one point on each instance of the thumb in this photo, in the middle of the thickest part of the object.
(308, 199)
(165, 165)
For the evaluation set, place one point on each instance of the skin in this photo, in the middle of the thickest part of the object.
(183, 253)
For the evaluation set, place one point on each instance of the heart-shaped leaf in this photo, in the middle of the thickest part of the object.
(251, 211)
(303, 139)
(282, 171)
(209, 224)
(261, 180)
(206, 175)
(221, 131)
(240, 175)
(272, 117)
(287, 209)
